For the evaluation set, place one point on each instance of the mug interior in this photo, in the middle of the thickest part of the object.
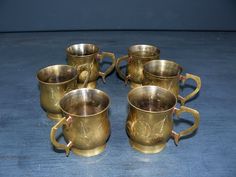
(151, 99)
(57, 74)
(84, 102)
(162, 68)
(143, 50)
(82, 49)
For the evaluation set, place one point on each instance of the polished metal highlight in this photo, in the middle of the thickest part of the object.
(150, 120)
(137, 56)
(167, 74)
(79, 54)
(86, 126)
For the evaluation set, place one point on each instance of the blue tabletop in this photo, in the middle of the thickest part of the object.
(25, 148)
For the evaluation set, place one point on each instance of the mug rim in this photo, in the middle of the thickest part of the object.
(85, 116)
(81, 56)
(152, 112)
(163, 77)
(130, 52)
(57, 83)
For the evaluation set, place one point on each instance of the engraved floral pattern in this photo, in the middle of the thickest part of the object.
(143, 129)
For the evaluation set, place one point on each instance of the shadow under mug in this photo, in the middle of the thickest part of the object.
(86, 126)
(167, 74)
(79, 54)
(137, 56)
(150, 120)
(54, 82)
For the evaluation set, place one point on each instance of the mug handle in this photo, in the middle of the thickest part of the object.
(189, 96)
(109, 69)
(85, 67)
(122, 75)
(191, 129)
(63, 121)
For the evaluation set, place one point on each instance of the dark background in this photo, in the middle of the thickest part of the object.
(45, 15)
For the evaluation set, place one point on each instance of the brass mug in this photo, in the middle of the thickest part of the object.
(54, 82)
(137, 56)
(150, 120)
(79, 54)
(86, 126)
(167, 74)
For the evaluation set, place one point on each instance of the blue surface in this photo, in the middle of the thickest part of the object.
(25, 148)
(31, 15)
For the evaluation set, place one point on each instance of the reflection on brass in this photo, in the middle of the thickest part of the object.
(137, 56)
(167, 74)
(150, 120)
(79, 54)
(54, 82)
(86, 127)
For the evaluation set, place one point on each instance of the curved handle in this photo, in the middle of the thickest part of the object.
(189, 96)
(122, 75)
(191, 129)
(109, 69)
(63, 121)
(85, 67)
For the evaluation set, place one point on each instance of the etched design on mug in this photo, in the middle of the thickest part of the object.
(158, 129)
(84, 134)
(140, 128)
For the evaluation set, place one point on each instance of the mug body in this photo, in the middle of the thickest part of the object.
(138, 56)
(163, 73)
(80, 54)
(54, 82)
(149, 123)
(89, 127)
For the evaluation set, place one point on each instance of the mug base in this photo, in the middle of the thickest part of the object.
(147, 149)
(134, 85)
(90, 152)
(54, 117)
(89, 85)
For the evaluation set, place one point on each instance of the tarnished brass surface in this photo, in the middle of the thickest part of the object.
(79, 54)
(167, 74)
(54, 82)
(150, 120)
(137, 56)
(86, 126)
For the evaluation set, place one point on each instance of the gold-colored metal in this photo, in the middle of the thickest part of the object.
(79, 54)
(59, 124)
(137, 56)
(150, 120)
(167, 74)
(86, 126)
(54, 82)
